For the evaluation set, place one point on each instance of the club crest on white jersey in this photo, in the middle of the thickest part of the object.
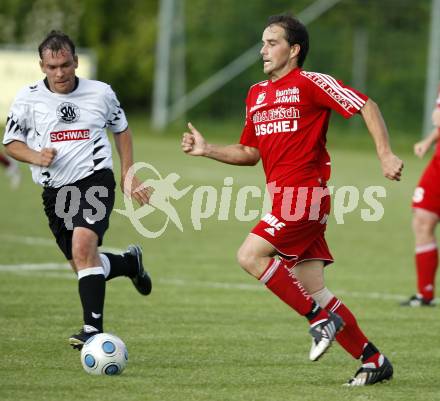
(68, 112)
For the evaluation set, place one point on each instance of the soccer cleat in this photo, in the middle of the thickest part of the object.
(77, 340)
(141, 280)
(417, 301)
(323, 334)
(366, 376)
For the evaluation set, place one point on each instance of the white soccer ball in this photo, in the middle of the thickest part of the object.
(104, 354)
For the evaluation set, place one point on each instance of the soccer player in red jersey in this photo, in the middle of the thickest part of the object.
(286, 123)
(426, 212)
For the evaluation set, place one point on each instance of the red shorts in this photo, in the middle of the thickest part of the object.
(298, 240)
(427, 194)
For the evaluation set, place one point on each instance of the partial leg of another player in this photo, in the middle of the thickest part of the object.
(426, 257)
(256, 257)
(375, 366)
(12, 170)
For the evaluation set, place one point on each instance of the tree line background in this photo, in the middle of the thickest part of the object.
(123, 36)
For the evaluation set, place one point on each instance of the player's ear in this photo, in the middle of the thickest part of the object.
(42, 66)
(75, 60)
(294, 50)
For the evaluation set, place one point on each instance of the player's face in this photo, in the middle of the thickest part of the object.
(278, 55)
(59, 68)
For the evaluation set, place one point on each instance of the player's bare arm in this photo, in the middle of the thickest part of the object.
(194, 144)
(21, 152)
(421, 147)
(130, 185)
(436, 117)
(391, 165)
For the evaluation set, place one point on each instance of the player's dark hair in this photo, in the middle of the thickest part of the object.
(56, 41)
(296, 33)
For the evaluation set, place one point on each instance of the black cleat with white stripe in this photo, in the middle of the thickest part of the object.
(371, 375)
(141, 280)
(323, 334)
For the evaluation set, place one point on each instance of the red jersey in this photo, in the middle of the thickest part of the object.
(287, 121)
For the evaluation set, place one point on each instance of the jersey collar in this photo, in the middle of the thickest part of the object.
(46, 83)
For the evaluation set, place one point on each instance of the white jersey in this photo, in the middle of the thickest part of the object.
(74, 124)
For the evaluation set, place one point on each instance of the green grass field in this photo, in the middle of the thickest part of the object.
(209, 331)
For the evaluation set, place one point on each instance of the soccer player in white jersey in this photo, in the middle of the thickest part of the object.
(286, 123)
(58, 125)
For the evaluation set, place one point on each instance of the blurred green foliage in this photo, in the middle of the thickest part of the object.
(123, 35)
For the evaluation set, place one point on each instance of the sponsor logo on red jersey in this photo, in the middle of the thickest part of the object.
(288, 115)
(290, 95)
(276, 127)
(70, 135)
(280, 113)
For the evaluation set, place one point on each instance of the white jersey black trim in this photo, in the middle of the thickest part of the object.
(96, 156)
(74, 124)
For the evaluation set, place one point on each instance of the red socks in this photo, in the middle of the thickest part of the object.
(351, 338)
(426, 267)
(285, 286)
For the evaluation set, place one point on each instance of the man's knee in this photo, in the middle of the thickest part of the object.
(84, 248)
(423, 225)
(80, 254)
(247, 259)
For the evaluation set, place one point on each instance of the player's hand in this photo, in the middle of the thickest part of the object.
(420, 148)
(134, 188)
(392, 166)
(46, 157)
(193, 142)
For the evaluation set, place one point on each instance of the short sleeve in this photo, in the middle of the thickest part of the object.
(333, 94)
(248, 137)
(116, 120)
(16, 122)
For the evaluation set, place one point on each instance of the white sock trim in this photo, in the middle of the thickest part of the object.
(426, 248)
(323, 297)
(270, 271)
(105, 264)
(90, 271)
